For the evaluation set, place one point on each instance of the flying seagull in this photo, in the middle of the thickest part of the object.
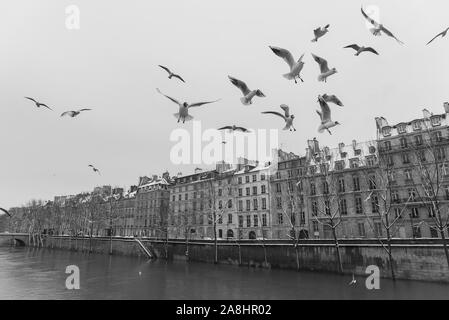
(332, 98)
(295, 66)
(361, 49)
(441, 34)
(319, 32)
(288, 118)
(95, 169)
(234, 128)
(379, 28)
(171, 74)
(325, 116)
(248, 94)
(6, 211)
(38, 104)
(73, 113)
(184, 107)
(324, 69)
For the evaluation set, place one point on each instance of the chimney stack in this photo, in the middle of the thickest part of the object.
(446, 107)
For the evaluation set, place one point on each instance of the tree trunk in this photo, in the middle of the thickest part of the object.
(215, 242)
(337, 251)
(297, 257)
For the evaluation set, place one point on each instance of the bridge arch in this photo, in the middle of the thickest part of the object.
(19, 242)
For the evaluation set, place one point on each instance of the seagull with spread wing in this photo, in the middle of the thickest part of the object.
(441, 34)
(6, 212)
(319, 32)
(295, 66)
(183, 114)
(324, 68)
(325, 116)
(94, 169)
(248, 94)
(359, 49)
(74, 113)
(288, 118)
(171, 74)
(234, 128)
(332, 98)
(38, 104)
(379, 28)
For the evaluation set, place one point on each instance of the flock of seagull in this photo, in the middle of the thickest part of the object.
(295, 68)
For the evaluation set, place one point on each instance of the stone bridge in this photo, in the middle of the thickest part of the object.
(16, 239)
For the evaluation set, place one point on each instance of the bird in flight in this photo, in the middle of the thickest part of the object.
(171, 74)
(441, 34)
(361, 49)
(332, 98)
(324, 69)
(38, 104)
(95, 169)
(6, 211)
(73, 113)
(234, 128)
(379, 28)
(319, 32)
(248, 94)
(183, 114)
(295, 66)
(325, 116)
(288, 118)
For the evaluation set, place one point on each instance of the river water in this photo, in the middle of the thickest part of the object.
(30, 273)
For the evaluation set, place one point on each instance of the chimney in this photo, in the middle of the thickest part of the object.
(354, 144)
(446, 107)
(341, 145)
(154, 177)
(198, 170)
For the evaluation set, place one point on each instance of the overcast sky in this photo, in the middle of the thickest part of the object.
(110, 65)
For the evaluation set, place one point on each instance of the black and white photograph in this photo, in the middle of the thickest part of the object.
(224, 155)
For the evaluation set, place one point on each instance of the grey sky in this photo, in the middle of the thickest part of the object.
(110, 65)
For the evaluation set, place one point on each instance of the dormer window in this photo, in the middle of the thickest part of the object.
(386, 131)
(401, 128)
(435, 120)
(372, 149)
(417, 125)
(339, 165)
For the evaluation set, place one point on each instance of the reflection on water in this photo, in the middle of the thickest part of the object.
(29, 273)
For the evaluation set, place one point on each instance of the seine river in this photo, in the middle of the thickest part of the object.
(28, 273)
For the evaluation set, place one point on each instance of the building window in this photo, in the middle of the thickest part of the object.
(263, 189)
(414, 213)
(315, 226)
(278, 187)
(279, 202)
(264, 220)
(327, 207)
(248, 221)
(435, 120)
(397, 213)
(372, 182)
(302, 218)
(220, 192)
(262, 176)
(280, 218)
(240, 192)
(437, 136)
(248, 191)
(417, 125)
(412, 195)
(354, 163)
(229, 203)
(416, 232)
(247, 179)
(356, 182)
(240, 180)
(314, 208)
(254, 178)
(358, 205)
(374, 204)
(240, 205)
(386, 131)
(408, 174)
(220, 204)
(248, 205)
(255, 204)
(343, 207)
(240, 221)
(418, 140)
(378, 229)
(405, 158)
(312, 189)
(341, 185)
(264, 203)
(387, 145)
(254, 191)
(361, 227)
(440, 154)
(325, 187)
(256, 220)
(403, 142)
(401, 128)
(433, 232)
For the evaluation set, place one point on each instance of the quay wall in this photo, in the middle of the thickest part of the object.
(420, 259)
